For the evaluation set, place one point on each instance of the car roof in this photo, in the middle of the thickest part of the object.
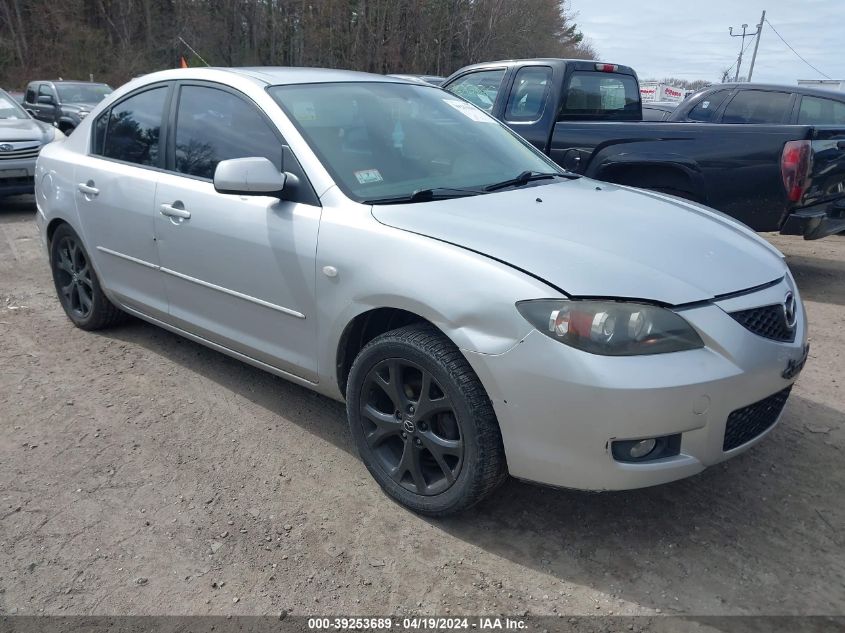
(277, 75)
(548, 61)
(803, 90)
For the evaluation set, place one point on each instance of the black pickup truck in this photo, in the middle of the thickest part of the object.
(587, 117)
(63, 104)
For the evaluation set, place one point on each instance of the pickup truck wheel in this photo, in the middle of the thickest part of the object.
(77, 284)
(422, 422)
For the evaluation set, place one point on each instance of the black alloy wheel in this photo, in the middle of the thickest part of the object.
(411, 427)
(422, 422)
(73, 278)
(77, 285)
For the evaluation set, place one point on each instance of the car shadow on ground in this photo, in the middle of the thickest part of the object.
(771, 518)
(819, 279)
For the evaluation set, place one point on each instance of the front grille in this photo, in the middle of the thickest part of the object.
(767, 321)
(29, 153)
(19, 149)
(748, 422)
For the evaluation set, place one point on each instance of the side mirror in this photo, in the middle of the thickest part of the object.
(45, 100)
(250, 177)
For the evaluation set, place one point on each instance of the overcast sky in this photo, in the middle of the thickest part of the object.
(689, 39)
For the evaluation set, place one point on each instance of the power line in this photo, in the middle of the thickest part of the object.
(794, 51)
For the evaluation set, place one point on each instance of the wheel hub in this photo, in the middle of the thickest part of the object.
(411, 426)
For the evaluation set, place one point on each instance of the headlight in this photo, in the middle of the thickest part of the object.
(611, 328)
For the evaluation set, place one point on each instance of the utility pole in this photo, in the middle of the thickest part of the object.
(757, 44)
(742, 45)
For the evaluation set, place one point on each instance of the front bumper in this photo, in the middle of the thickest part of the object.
(17, 175)
(559, 409)
(817, 221)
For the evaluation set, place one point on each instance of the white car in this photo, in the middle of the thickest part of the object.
(384, 242)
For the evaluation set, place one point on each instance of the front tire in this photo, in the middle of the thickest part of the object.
(422, 422)
(77, 284)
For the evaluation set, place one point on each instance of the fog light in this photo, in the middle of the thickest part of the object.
(646, 450)
(642, 448)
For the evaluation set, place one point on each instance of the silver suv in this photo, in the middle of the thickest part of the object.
(388, 244)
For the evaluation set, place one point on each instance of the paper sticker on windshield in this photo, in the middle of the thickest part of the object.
(468, 110)
(367, 176)
(304, 111)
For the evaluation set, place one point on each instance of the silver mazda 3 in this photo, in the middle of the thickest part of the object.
(388, 244)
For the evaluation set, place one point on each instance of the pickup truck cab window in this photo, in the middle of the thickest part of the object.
(601, 96)
(757, 106)
(529, 93)
(133, 127)
(480, 88)
(214, 125)
(44, 90)
(705, 110)
(819, 111)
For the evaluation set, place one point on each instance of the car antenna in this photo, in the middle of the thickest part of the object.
(190, 48)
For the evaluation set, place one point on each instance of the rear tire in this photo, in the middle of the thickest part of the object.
(77, 285)
(422, 422)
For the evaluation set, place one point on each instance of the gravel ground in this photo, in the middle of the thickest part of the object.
(141, 473)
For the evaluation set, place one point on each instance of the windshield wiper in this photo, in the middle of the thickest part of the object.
(528, 176)
(427, 195)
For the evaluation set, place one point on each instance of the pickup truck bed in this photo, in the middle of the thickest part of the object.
(733, 168)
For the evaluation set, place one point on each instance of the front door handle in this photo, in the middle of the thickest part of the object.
(88, 188)
(174, 212)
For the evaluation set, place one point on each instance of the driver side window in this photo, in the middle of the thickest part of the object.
(479, 88)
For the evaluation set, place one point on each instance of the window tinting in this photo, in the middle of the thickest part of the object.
(30, 94)
(705, 110)
(479, 88)
(528, 96)
(757, 106)
(818, 111)
(133, 128)
(601, 96)
(214, 125)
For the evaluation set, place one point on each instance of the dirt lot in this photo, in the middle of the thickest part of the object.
(144, 474)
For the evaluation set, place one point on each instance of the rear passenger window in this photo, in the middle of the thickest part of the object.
(757, 106)
(30, 94)
(819, 111)
(214, 125)
(479, 88)
(705, 110)
(132, 128)
(529, 94)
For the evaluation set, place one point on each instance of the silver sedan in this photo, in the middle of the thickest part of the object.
(388, 244)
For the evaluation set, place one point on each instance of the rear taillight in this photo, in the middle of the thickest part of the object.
(607, 68)
(795, 164)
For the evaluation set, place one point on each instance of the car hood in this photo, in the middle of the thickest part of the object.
(23, 130)
(588, 238)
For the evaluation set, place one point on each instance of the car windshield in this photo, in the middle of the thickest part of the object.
(82, 93)
(9, 108)
(391, 140)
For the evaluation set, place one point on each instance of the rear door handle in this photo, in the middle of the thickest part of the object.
(88, 188)
(174, 212)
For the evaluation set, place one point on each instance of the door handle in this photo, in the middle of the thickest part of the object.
(840, 145)
(174, 212)
(88, 188)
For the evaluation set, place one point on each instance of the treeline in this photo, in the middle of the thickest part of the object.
(114, 40)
